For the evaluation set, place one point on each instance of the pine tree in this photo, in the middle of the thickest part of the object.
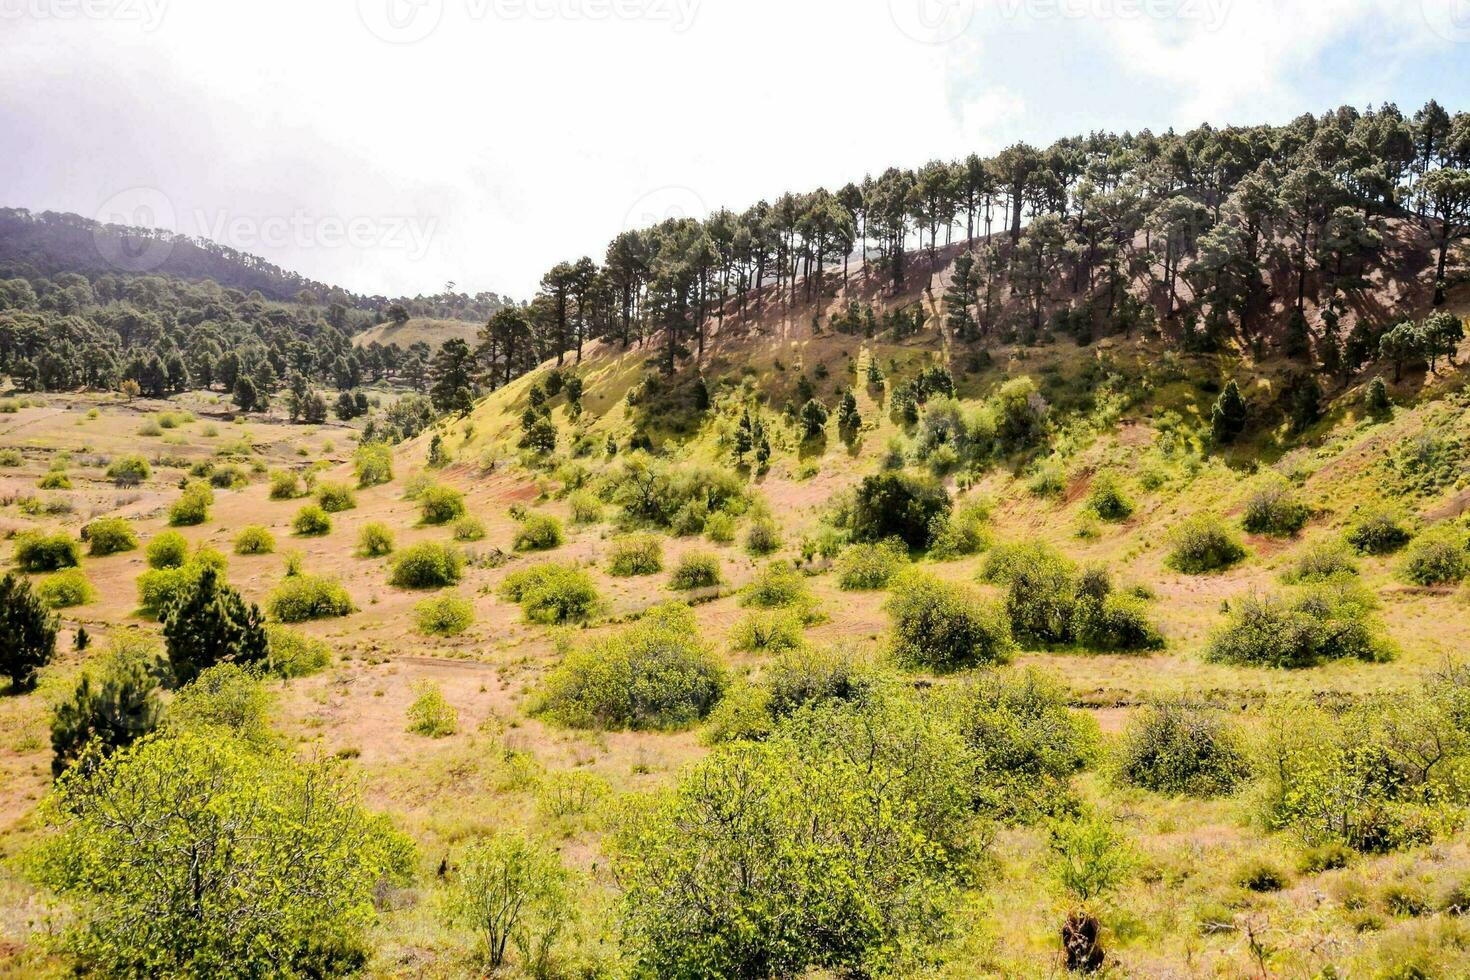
(848, 419)
(211, 624)
(813, 418)
(27, 633)
(111, 712)
(1227, 418)
(1375, 399)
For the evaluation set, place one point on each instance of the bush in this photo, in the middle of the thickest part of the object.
(1437, 557)
(444, 615)
(293, 653)
(743, 714)
(941, 626)
(108, 536)
(129, 471)
(890, 505)
(538, 532)
(115, 703)
(286, 485)
(778, 586)
(1329, 621)
(1181, 748)
(655, 674)
(373, 464)
(696, 570)
(1108, 500)
(720, 528)
(469, 529)
(550, 593)
(1260, 875)
(54, 480)
(763, 536)
(167, 550)
(193, 505)
(37, 552)
(585, 507)
(768, 632)
(312, 521)
(27, 633)
(335, 497)
(1320, 562)
(1202, 544)
(1117, 622)
(441, 504)
(1378, 532)
(636, 554)
(66, 589)
(375, 540)
(512, 891)
(964, 533)
(254, 540)
(813, 675)
(302, 597)
(1275, 510)
(427, 565)
(870, 566)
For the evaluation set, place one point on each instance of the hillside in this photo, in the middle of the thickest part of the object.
(418, 330)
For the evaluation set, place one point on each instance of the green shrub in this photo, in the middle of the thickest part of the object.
(538, 532)
(1378, 532)
(1437, 557)
(655, 674)
(778, 585)
(720, 528)
(1119, 621)
(768, 632)
(963, 533)
(469, 529)
(440, 504)
(444, 615)
(870, 566)
(303, 597)
(54, 480)
(254, 540)
(129, 471)
(293, 653)
(1108, 500)
(66, 589)
(167, 550)
(889, 505)
(228, 477)
(37, 552)
(335, 497)
(109, 536)
(585, 508)
(696, 570)
(763, 536)
(10, 457)
(941, 626)
(427, 565)
(373, 464)
(375, 540)
(1048, 479)
(1320, 562)
(636, 554)
(1274, 509)
(286, 485)
(1260, 875)
(1202, 544)
(1325, 621)
(159, 588)
(804, 675)
(431, 715)
(1180, 747)
(743, 714)
(193, 505)
(312, 521)
(550, 593)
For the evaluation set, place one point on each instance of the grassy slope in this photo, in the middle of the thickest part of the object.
(429, 331)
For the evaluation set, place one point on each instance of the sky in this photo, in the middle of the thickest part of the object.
(393, 146)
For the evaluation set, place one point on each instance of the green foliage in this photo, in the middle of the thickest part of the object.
(54, 480)
(940, 626)
(585, 508)
(109, 536)
(1324, 621)
(430, 714)
(550, 593)
(293, 653)
(1091, 858)
(1273, 509)
(37, 552)
(335, 497)
(227, 700)
(1108, 500)
(440, 504)
(1437, 557)
(286, 485)
(167, 550)
(720, 528)
(1260, 875)
(696, 570)
(635, 554)
(1378, 531)
(538, 532)
(27, 633)
(375, 540)
(254, 540)
(158, 588)
(656, 492)
(778, 585)
(654, 674)
(193, 505)
(1180, 747)
(444, 615)
(312, 521)
(115, 703)
(1049, 603)
(870, 566)
(1202, 544)
(511, 890)
(898, 505)
(768, 632)
(806, 675)
(1228, 416)
(209, 624)
(763, 536)
(372, 462)
(964, 533)
(129, 471)
(469, 529)
(1320, 562)
(304, 597)
(194, 854)
(743, 714)
(66, 589)
(427, 565)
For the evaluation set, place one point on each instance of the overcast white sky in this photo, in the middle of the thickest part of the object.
(393, 145)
